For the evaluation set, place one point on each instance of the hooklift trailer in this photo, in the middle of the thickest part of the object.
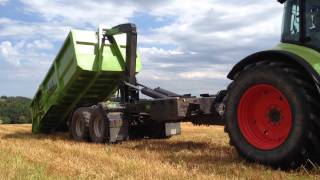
(270, 110)
(88, 71)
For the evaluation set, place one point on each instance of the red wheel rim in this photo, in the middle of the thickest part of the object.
(264, 116)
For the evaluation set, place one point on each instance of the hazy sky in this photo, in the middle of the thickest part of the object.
(187, 46)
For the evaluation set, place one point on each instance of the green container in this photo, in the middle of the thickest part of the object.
(85, 72)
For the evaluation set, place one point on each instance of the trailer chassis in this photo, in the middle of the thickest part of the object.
(130, 117)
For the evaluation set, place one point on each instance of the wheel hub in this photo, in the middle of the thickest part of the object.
(264, 116)
(274, 115)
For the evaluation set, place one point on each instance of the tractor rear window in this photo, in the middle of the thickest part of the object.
(291, 22)
(312, 20)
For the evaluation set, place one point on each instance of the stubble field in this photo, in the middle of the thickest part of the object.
(199, 153)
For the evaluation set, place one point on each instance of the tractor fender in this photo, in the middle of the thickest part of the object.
(277, 55)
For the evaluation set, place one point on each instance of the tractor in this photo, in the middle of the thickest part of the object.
(272, 104)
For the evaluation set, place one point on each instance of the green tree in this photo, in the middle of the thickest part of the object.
(15, 110)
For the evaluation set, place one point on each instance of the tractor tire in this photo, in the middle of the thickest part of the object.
(98, 127)
(78, 128)
(269, 115)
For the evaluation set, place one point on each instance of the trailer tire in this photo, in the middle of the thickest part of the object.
(78, 128)
(268, 115)
(98, 127)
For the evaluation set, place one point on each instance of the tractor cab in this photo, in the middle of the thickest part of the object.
(301, 23)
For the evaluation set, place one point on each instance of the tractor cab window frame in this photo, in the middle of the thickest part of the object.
(312, 24)
(292, 26)
(306, 35)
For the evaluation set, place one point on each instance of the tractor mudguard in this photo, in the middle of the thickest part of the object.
(277, 55)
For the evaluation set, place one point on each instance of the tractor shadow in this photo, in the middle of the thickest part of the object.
(207, 156)
(192, 154)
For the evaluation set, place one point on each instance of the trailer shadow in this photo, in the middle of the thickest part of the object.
(198, 154)
(30, 135)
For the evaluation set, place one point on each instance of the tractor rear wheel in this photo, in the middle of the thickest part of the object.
(268, 115)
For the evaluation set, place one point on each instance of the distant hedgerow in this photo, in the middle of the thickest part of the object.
(14, 110)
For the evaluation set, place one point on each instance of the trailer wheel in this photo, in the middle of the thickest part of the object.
(98, 126)
(268, 115)
(78, 128)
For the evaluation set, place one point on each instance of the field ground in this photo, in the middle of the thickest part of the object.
(199, 153)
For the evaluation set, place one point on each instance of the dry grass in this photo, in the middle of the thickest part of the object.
(199, 153)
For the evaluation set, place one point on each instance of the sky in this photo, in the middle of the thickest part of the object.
(186, 46)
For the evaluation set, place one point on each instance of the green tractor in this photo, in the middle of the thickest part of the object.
(272, 106)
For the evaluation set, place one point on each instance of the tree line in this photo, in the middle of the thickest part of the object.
(15, 110)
